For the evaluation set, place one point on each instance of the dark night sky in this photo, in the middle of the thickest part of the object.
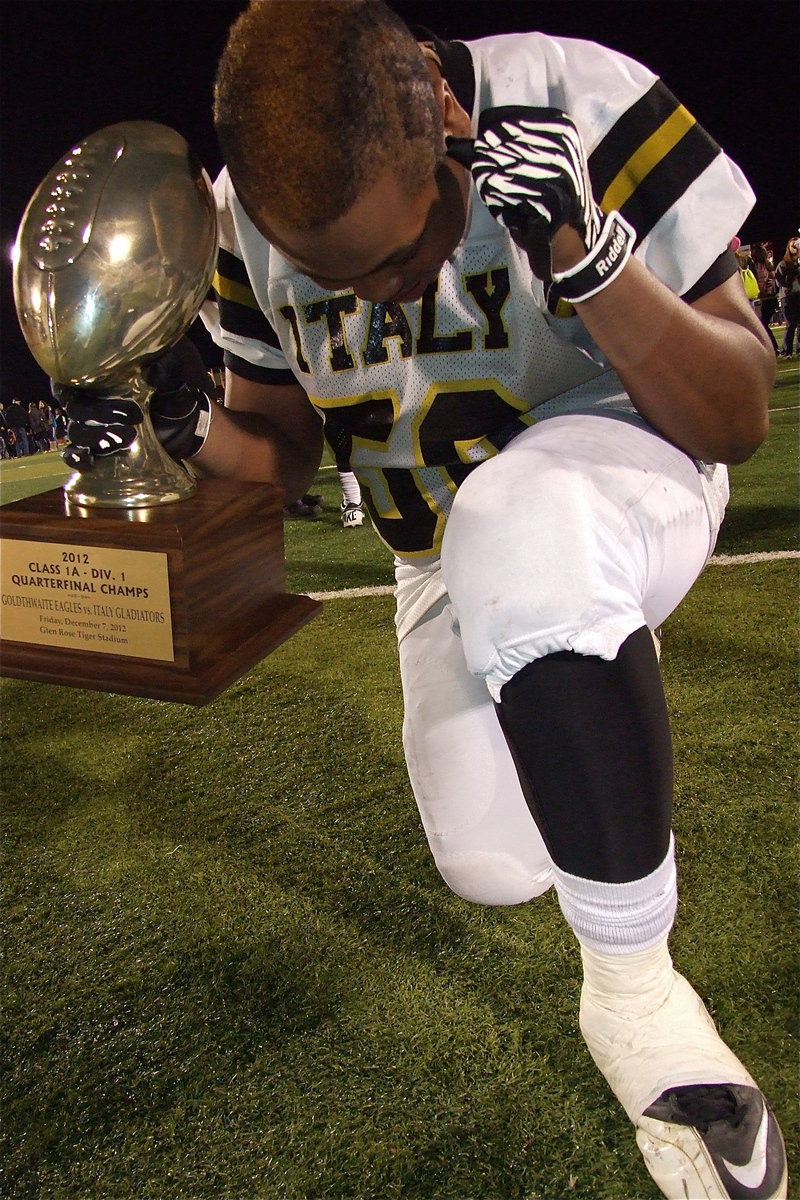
(70, 67)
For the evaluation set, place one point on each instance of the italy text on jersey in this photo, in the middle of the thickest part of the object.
(417, 395)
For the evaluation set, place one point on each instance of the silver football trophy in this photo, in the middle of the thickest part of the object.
(113, 260)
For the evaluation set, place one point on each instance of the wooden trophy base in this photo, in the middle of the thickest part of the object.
(173, 602)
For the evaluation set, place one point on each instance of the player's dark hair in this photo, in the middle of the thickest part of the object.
(313, 98)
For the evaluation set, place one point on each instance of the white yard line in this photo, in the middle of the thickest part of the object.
(351, 593)
(718, 560)
(732, 560)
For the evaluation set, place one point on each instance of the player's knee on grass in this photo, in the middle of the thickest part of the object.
(482, 836)
(490, 877)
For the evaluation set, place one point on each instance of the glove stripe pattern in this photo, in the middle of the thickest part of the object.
(530, 169)
(101, 424)
(535, 157)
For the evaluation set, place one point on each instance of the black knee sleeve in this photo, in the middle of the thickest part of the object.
(592, 747)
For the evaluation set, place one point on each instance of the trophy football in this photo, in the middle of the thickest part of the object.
(135, 577)
(115, 255)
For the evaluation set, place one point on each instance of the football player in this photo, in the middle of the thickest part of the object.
(495, 276)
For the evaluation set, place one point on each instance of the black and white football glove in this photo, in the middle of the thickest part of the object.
(97, 424)
(102, 423)
(529, 167)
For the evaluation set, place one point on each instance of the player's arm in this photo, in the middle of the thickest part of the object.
(265, 433)
(700, 373)
(268, 433)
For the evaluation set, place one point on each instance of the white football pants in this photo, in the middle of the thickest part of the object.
(584, 529)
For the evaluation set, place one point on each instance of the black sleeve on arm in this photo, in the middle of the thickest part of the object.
(193, 366)
(721, 269)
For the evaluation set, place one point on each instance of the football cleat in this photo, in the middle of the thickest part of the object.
(306, 506)
(352, 515)
(648, 1031)
(713, 1142)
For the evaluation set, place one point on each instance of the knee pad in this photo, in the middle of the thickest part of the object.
(490, 877)
(581, 531)
(528, 579)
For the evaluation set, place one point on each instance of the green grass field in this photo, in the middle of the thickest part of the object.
(232, 971)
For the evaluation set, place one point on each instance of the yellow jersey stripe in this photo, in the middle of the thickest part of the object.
(648, 156)
(239, 293)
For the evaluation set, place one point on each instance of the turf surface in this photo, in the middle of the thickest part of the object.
(232, 972)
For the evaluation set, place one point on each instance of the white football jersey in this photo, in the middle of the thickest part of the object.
(416, 395)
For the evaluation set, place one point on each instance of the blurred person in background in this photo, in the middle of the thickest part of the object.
(764, 271)
(787, 274)
(17, 421)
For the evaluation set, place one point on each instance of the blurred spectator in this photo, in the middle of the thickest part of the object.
(4, 448)
(39, 437)
(17, 421)
(764, 271)
(47, 424)
(216, 390)
(59, 421)
(787, 274)
(749, 281)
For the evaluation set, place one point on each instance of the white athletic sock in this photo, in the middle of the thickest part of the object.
(351, 492)
(620, 918)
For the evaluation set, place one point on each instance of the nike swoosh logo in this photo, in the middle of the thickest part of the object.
(752, 1173)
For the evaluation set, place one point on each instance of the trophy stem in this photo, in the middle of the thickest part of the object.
(140, 477)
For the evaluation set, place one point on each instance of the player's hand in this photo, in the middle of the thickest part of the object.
(180, 408)
(103, 423)
(530, 169)
(97, 424)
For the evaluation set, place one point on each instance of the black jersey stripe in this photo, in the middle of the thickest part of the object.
(246, 322)
(668, 179)
(256, 374)
(650, 153)
(239, 311)
(649, 158)
(233, 269)
(628, 134)
(229, 289)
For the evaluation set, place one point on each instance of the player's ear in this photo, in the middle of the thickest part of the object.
(456, 121)
(448, 105)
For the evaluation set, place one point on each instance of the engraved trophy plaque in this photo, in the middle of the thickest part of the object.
(135, 577)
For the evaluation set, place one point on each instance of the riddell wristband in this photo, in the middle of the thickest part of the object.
(203, 424)
(602, 264)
